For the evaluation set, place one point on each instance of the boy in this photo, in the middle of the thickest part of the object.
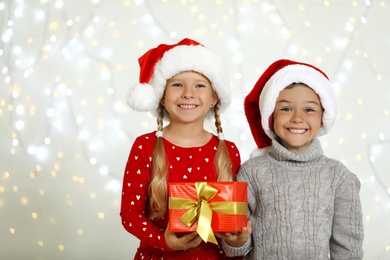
(302, 204)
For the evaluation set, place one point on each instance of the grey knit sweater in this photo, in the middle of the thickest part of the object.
(302, 205)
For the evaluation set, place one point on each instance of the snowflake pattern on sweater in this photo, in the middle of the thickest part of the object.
(192, 164)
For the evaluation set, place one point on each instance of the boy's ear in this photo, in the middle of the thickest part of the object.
(271, 122)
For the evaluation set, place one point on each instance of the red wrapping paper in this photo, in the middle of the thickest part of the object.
(221, 222)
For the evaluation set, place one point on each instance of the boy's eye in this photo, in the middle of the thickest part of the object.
(176, 85)
(285, 109)
(200, 85)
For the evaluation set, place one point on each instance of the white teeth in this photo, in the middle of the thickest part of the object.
(187, 106)
(297, 131)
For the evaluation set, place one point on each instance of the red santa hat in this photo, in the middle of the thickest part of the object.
(165, 61)
(259, 104)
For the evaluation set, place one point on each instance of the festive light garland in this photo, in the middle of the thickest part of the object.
(66, 131)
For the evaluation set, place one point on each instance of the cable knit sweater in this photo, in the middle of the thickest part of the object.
(302, 205)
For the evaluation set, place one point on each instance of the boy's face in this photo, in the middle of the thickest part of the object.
(297, 117)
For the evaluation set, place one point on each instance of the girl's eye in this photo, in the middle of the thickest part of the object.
(309, 110)
(200, 85)
(178, 85)
(285, 109)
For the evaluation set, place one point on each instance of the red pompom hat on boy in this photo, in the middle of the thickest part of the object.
(165, 61)
(259, 104)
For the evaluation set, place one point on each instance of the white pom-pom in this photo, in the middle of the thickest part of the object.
(142, 97)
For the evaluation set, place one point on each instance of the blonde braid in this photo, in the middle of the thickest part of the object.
(158, 191)
(222, 158)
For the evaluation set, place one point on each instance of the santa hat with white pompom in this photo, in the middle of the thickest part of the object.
(165, 61)
(259, 104)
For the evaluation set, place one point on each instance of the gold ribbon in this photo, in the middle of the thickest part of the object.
(202, 211)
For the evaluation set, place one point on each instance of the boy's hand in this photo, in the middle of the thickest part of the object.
(237, 239)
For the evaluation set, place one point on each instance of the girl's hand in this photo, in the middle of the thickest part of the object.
(183, 243)
(237, 239)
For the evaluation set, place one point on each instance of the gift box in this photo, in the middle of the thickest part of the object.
(207, 207)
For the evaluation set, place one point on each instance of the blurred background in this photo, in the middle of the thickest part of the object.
(66, 131)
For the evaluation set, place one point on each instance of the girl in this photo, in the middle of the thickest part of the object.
(303, 205)
(184, 83)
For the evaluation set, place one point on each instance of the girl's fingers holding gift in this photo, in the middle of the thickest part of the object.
(182, 243)
(191, 236)
(194, 240)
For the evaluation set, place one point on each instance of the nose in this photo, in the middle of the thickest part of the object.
(296, 117)
(187, 93)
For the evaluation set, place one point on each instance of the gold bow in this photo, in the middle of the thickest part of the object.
(202, 211)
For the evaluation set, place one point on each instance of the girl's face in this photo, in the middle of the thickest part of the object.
(188, 97)
(297, 117)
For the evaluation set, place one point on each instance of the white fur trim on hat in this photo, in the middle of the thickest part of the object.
(146, 97)
(259, 152)
(193, 58)
(298, 73)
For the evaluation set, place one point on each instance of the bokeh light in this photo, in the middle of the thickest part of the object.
(66, 131)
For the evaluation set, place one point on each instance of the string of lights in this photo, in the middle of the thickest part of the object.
(66, 130)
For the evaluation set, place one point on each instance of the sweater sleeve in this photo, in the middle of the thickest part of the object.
(134, 196)
(347, 231)
(246, 248)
